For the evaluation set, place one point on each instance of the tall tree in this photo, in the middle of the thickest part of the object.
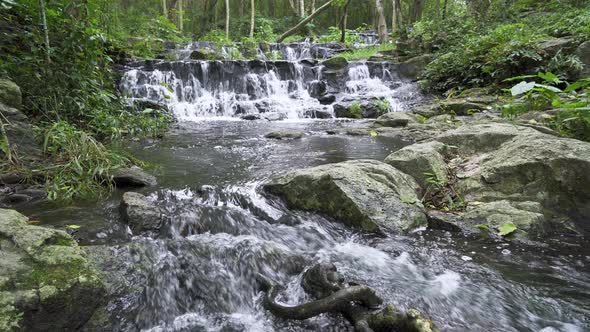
(45, 31)
(252, 18)
(343, 20)
(381, 22)
(302, 8)
(164, 8)
(180, 15)
(227, 18)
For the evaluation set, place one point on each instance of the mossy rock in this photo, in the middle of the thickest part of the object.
(46, 282)
(364, 194)
(336, 63)
(10, 94)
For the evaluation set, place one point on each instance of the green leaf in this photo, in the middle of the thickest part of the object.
(374, 134)
(550, 77)
(507, 229)
(547, 87)
(522, 88)
(483, 226)
(408, 200)
(73, 226)
(518, 78)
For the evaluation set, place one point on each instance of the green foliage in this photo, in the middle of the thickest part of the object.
(218, 37)
(9, 318)
(334, 35)
(80, 164)
(565, 110)
(294, 38)
(356, 110)
(486, 58)
(382, 105)
(441, 194)
(366, 52)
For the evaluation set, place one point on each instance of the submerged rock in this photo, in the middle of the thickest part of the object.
(366, 194)
(46, 282)
(132, 177)
(140, 213)
(285, 134)
(358, 109)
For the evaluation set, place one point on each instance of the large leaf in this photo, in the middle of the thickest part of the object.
(548, 87)
(507, 229)
(522, 88)
(578, 85)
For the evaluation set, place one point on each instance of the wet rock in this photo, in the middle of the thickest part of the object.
(317, 89)
(421, 161)
(11, 178)
(327, 99)
(285, 134)
(10, 94)
(18, 134)
(142, 214)
(396, 119)
(132, 177)
(205, 54)
(335, 63)
(365, 194)
(527, 216)
(251, 117)
(46, 281)
(318, 114)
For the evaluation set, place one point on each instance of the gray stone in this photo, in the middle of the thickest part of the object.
(285, 134)
(205, 54)
(132, 177)
(46, 281)
(10, 94)
(335, 63)
(421, 161)
(142, 214)
(396, 119)
(413, 67)
(365, 194)
(552, 46)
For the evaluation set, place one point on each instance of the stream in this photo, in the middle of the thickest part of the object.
(199, 272)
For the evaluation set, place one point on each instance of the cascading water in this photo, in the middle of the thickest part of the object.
(278, 89)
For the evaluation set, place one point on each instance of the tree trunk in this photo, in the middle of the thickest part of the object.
(303, 22)
(394, 23)
(164, 8)
(382, 24)
(45, 31)
(343, 20)
(437, 9)
(302, 8)
(252, 18)
(180, 15)
(444, 13)
(226, 18)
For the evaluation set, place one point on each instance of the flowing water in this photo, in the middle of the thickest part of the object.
(199, 272)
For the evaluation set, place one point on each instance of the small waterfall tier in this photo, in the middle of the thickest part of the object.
(275, 90)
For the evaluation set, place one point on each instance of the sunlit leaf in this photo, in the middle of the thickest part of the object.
(507, 229)
(522, 88)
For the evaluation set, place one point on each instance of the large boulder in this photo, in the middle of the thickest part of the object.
(132, 177)
(205, 53)
(463, 106)
(141, 213)
(552, 171)
(421, 161)
(46, 281)
(365, 194)
(413, 67)
(10, 94)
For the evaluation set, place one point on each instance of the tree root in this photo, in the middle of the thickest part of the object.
(359, 304)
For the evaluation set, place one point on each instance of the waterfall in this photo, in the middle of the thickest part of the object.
(274, 90)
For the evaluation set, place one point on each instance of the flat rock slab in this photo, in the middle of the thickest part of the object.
(285, 134)
(132, 177)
